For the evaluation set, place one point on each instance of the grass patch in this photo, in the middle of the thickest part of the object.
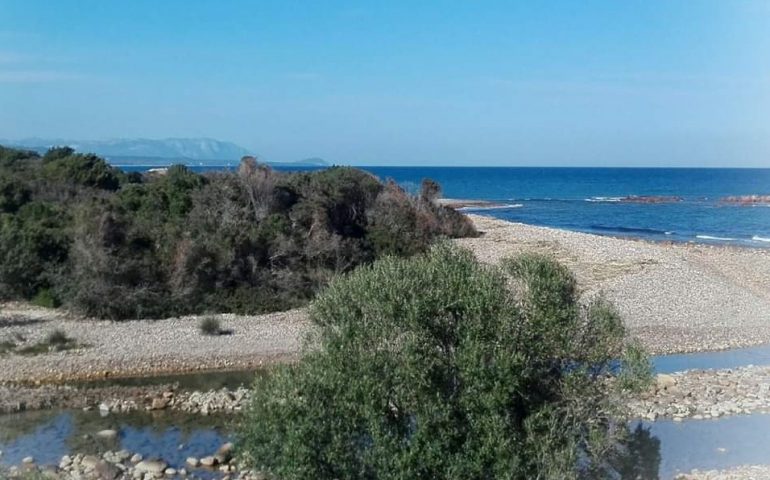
(56, 341)
(210, 326)
(7, 346)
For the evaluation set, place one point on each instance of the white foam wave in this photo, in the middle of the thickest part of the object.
(604, 199)
(709, 237)
(491, 207)
(757, 238)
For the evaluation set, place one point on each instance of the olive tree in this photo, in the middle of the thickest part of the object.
(441, 367)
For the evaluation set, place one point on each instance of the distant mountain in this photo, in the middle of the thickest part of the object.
(309, 162)
(191, 149)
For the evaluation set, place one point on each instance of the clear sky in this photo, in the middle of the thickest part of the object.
(626, 83)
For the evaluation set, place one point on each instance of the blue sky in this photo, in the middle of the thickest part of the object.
(626, 83)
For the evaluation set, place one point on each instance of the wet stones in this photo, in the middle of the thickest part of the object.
(706, 394)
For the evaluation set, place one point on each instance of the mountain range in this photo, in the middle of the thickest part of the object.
(144, 151)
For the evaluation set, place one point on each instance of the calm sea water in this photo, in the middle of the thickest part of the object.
(586, 199)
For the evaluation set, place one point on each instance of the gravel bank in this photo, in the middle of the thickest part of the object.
(147, 347)
(706, 394)
(674, 297)
(744, 472)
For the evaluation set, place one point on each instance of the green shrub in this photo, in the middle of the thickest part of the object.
(76, 230)
(210, 326)
(57, 339)
(431, 367)
(45, 298)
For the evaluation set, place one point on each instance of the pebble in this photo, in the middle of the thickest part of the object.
(107, 434)
(706, 394)
(117, 465)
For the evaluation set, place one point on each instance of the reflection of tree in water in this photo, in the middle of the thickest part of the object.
(14, 425)
(638, 457)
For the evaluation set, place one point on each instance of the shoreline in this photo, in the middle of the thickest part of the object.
(674, 298)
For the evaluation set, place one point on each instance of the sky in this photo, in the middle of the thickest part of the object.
(551, 83)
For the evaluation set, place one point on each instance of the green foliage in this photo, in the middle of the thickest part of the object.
(210, 326)
(78, 170)
(76, 230)
(34, 244)
(432, 367)
(45, 298)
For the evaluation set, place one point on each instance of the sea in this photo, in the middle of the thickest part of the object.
(592, 200)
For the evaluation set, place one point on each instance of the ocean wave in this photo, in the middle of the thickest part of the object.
(757, 238)
(604, 199)
(491, 207)
(719, 239)
(621, 229)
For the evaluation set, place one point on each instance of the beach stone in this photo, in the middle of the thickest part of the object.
(28, 460)
(151, 466)
(108, 434)
(209, 461)
(136, 458)
(107, 471)
(192, 461)
(170, 472)
(664, 381)
(225, 453)
(159, 403)
(65, 462)
(89, 462)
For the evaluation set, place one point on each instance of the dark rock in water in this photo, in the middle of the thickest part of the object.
(748, 200)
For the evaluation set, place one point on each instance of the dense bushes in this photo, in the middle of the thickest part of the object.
(431, 367)
(76, 231)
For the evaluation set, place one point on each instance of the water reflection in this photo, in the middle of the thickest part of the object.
(651, 450)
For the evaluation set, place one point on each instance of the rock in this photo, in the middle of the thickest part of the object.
(159, 403)
(89, 462)
(108, 434)
(663, 381)
(192, 461)
(107, 471)
(65, 462)
(136, 458)
(151, 466)
(28, 460)
(170, 472)
(122, 455)
(225, 453)
(209, 461)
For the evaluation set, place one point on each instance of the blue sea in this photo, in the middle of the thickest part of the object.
(588, 199)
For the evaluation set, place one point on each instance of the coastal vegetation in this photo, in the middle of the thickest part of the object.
(77, 232)
(438, 366)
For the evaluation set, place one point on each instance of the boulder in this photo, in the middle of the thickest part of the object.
(106, 471)
(159, 403)
(90, 462)
(663, 381)
(225, 453)
(151, 466)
